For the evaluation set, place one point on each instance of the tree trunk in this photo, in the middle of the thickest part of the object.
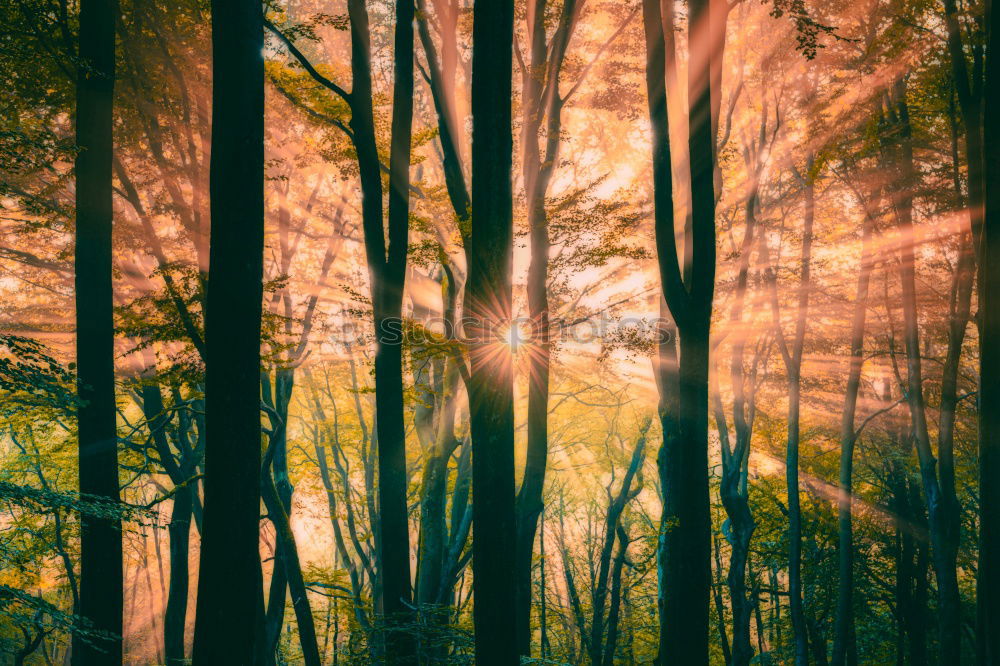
(684, 570)
(733, 486)
(488, 303)
(720, 606)
(844, 619)
(229, 583)
(277, 493)
(179, 528)
(289, 562)
(387, 272)
(101, 582)
(175, 616)
(612, 525)
(611, 643)
(799, 628)
(988, 583)
(939, 513)
(792, 357)
(433, 562)
(541, 102)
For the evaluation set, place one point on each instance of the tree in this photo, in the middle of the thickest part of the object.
(488, 304)
(936, 482)
(733, 486)
(844, 621)
(791, 354)
(101, 578)
(988, 588)
(386, 256)
(541, 101)
(387, 278)
(685, 541)
(229, 582)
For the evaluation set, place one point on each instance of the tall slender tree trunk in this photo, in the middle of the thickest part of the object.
(277, 400)
(844, 618)
(792, 356)
(433, 560)
(289, 563)
(733, 486)
(541, 103)
(488, 303)
(904, 562)
(101, 582)
(175, 615)
(988, 584)
(276, 492)
(387, 272)
(229, 582)
(179, 528)
(614, 612)
(604, 573)
(796, 609)
(720, 605)
(941, 527)
(684, 570)
(543, 630)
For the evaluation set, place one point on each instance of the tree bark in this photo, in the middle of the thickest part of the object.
(733, 486)
(612, 523)
(277, 475)
(387, 272)
(101, 582)
(940, 509)
(541, 102)
(611, 643)
(289, 562)
(488, 303)
(229, 583)
(844, 618)
(179, 528)
(988, 583)
(684, 569)
(792, 357)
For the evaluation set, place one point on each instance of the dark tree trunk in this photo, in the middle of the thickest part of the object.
(101, 583)
(720, 606)
(844, 619)
(175, 615)
(488, 303)
(611, 643)
(799, 628)
(940, 508)
(229, 582)
(918, 610)
(988, 584)
(277, 401)
(541, 103)
(904, 568)
(442, 84)
(685, 546)
(911, 570)
(387, 272)
(179, 528)
(433, 561)
(276, 491)
(733, 486)
(289, 564)
(612, 527)
(792, 357)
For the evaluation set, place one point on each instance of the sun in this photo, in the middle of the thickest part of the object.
(516, 335)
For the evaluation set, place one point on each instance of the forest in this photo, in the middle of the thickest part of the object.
(499, 332)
